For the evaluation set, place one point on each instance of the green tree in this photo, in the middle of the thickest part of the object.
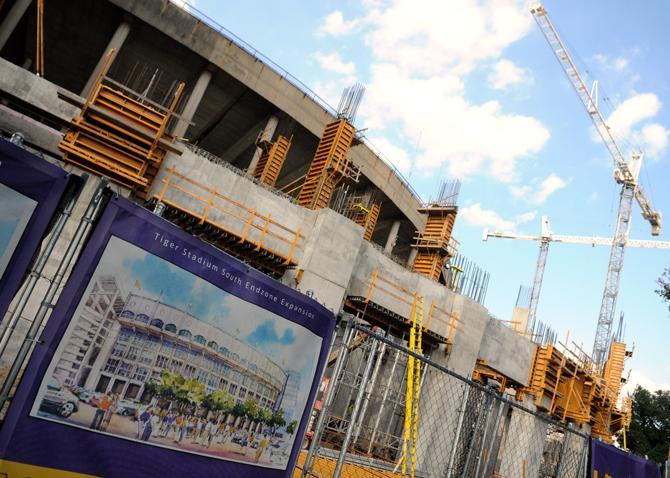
(218, 401)
(277, 420)
(650, 425)
(290, 429)
(252, 411)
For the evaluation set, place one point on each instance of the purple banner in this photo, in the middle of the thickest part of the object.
(30, 190)
(167, 357)
(608, 460)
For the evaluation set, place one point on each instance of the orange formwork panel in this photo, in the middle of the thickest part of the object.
(329, 165)
(434, 244)
(119, 136)
(272, 159)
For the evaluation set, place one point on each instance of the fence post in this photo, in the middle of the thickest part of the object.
(357, 406)
(494, 430)
(366, 401)
(80, 235)
(459, 427)
(482, 418)
(330, 395)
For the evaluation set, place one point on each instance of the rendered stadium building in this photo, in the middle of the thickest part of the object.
(134, 345)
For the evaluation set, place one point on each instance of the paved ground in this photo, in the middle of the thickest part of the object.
(127, 427)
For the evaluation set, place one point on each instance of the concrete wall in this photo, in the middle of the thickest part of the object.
(245, 194)
(506, 351)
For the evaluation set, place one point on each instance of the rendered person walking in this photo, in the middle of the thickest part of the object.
(103, 406)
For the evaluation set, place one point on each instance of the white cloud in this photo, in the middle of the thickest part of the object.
(419, 67)
(628, 123)
(549, 186)
(452, 37)
(334, 24)
(476, 216)
(333, 62)
(506, 73)
(398, 157)
(539, 191)
(655, 138)
(617, 64)
(468, 137)
(636, 378)
(632, 111)
(185, 4)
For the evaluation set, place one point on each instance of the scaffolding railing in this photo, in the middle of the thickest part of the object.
(246, 223)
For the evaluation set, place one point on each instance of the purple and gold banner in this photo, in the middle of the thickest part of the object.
(167, 357)
(607, 460)
(30, 190)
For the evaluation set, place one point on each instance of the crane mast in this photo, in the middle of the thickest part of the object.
(626, 174)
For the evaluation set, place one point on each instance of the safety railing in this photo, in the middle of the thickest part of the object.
(246, 223)
(437, 320)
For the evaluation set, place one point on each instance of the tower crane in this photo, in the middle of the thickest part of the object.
(546, 236)
(625, 173)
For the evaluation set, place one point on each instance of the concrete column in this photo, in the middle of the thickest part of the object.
(266, 135)
(116, 42)
(193, 102)
(412, 255)
(12, 19)
(393, 236)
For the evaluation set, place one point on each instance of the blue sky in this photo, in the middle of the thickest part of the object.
(469, 89)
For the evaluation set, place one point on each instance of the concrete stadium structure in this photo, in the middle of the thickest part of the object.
(232, 94)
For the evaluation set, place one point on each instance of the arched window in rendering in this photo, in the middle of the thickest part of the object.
(213, 345)
(185, 333)
(158, 323)
(126, 314)
(171, 328)
(144, 318)
(200, 339)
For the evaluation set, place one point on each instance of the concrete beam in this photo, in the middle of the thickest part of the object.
(392, 237)
(193, 102)
(12, 19)
(244, 142)
(266, 135)
(115, 42)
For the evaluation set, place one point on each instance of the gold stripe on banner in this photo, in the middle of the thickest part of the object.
(14, 469)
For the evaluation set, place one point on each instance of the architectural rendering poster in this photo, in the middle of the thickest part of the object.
(167, 357)
(30, 189)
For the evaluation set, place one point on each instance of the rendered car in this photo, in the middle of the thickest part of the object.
(58, 400)
(127, 407)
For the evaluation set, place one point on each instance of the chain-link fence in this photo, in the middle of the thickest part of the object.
(369, 425)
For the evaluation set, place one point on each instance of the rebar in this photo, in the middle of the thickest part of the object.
(350, 101)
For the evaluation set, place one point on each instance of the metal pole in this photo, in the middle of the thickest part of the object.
(330, 395)
(9, 326)
(47, 303)
(491, 442)
(584, 460)
(384, 398)
(459, 427)
(481, 420)
(370, 386)
(357, 406)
